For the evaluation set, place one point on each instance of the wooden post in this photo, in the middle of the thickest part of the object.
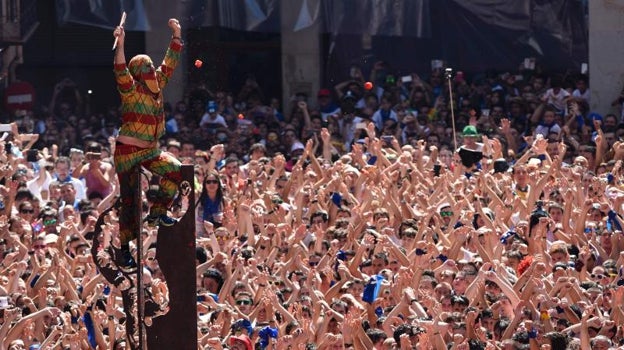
(139, 258)
(175, 252)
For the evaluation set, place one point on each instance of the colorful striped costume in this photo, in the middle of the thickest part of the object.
(143, 119)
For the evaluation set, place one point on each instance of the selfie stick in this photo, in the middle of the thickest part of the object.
(121, 24)
(448, 73)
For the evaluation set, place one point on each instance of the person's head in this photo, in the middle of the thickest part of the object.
(119, 344)
(257, 151)
(470, 136)
(26, 211)
(76, 157)
(212, 185)
(412, 331)
(240, 342)
(555, 210)
(319, 218)
(446, 212)
(549, 116)
(68, 193)
(610, 122)
(377, 336)
(600, 342)
(188, 149)
(17, 344)
(143, 71)
(150, 260)
(244, 302)
(558, 253)
(460, 283)
(62, 166)
(93, 151)
(174, 147)
(379, 261)
(212, 280)
(231, 166)
(296, 150)
(49, 217)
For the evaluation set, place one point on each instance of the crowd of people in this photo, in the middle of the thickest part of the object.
(383, 217)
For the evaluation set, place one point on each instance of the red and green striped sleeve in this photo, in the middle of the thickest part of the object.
(125, 82)
(169, 63)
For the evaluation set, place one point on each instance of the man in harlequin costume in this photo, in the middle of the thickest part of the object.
(140, 85)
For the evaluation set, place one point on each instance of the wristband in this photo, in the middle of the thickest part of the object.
(419, 252)
(544, 316)
(559, 309)
(532, 333)
(443, 258)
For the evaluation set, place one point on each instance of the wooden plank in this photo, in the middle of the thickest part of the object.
(175, 251)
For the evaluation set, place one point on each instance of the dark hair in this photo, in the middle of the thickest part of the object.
(23, 194)
(376, 334)
(320, 213)
(204, 194)
(200, 255)
(475, 344)
(405, 329)
(215, 275)
(558, 341)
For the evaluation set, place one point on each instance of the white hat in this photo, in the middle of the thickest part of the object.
(50, 238)
(297, 146)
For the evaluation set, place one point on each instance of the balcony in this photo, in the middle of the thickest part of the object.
(18, 21)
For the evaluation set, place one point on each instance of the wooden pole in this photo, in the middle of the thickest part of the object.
(449, 74)
(139, 259)
(175, 252)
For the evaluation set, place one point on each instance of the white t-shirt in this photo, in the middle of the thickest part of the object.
(34, 187)
(557, 100)
(206, 119)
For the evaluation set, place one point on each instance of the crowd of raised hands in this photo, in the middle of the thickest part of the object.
(386, 246)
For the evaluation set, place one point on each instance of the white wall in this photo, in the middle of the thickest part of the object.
(606, 53)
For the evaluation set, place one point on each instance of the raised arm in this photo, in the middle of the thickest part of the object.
(125, 82)
(172, 56)
(120, 57)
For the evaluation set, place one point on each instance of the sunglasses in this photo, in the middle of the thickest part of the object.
(222, 238)
(39, 246)
(150, 259)
(243, 302)
(27, 211)
(49, 222)
(208, 182)
(598, 276)
(446, 213)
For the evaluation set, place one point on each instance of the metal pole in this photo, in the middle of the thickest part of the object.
(139, 258)
(449, 73)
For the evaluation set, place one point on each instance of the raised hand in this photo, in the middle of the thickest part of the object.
(174, 24)
(120, 34)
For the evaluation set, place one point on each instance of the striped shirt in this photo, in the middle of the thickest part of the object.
(142, 111)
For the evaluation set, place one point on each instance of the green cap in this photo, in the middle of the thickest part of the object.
(470, 131)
